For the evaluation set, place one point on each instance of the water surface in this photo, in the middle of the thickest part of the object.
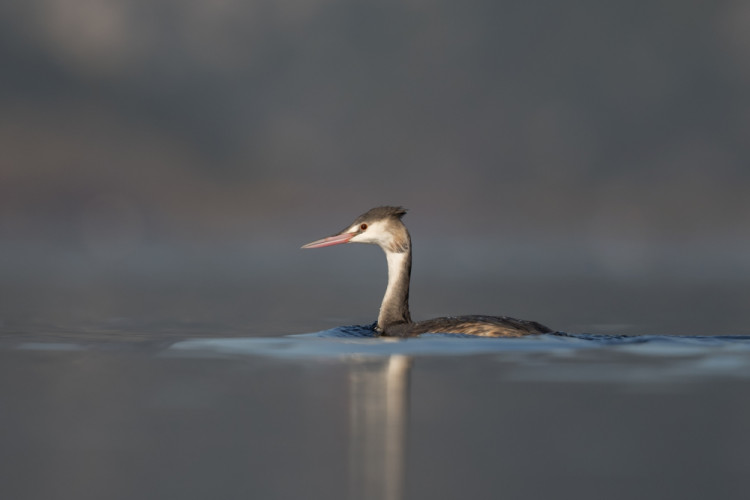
(342, 414)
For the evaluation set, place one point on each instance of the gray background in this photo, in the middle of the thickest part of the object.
(584, 164)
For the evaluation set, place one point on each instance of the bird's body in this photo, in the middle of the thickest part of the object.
(383, 226)
(479, 325)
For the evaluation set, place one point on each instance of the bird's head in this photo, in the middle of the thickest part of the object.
(380, 226)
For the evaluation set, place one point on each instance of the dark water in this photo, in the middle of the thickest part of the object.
(183, 375)
(341, 414)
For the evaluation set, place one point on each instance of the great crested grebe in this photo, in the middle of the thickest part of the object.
(382, 226)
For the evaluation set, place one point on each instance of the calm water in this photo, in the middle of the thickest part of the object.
(196, 379)
(340, 414)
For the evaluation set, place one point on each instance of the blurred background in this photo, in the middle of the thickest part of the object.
(583, 164)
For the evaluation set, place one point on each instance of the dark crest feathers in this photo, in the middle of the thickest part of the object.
(379, 213)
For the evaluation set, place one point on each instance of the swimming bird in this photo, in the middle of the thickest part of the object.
(383, 226)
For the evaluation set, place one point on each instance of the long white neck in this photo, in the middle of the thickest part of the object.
(395, 306)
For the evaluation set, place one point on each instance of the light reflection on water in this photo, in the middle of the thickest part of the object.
(378, 426)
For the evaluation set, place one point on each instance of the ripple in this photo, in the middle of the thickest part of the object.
(362, 341)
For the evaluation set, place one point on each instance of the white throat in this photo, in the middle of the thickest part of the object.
(398, 267)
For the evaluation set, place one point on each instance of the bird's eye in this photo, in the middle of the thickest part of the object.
(362, 227)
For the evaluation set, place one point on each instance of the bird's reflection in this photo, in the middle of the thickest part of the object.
(378, 418)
